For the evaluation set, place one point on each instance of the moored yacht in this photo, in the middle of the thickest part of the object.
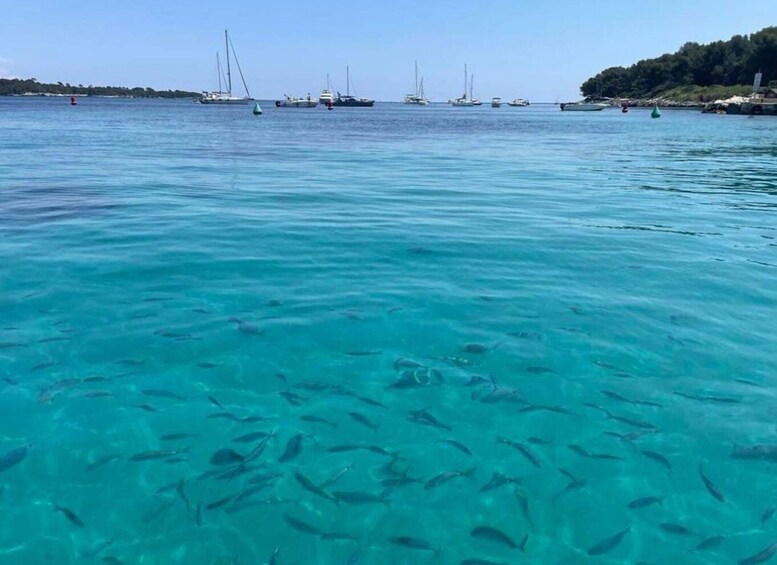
(583, 106)
(496, 102)
(418, 98)
(519, 102)
(463, 101)
(294, 102)
(348, 100)
(327, 96)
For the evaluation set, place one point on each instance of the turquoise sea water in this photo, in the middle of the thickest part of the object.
(586, 303)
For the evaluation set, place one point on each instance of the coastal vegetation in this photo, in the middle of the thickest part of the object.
(18, 87)
(696, 72)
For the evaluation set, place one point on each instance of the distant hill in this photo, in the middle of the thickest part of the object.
(695, 71)
(9, 87)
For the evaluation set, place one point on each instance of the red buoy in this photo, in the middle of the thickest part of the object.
(73, 101)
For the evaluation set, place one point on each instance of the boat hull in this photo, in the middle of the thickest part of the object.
(584, 107)
(226, 101)
(326, 97)
(416, 101)
(353, 103)
(296, 104)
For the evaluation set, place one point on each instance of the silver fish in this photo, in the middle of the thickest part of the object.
(644, 502)
(658, 458)
(495, 535)
(709, 543)
(413, 543)
(293, 449)
(70, 515)
(711, 488)
(357, 497)
(767, 514)
(608, 544)
(443, 478)
(522, 449)
(308, 485)
(761, 557)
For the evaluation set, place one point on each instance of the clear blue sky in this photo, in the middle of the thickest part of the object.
(541, 50)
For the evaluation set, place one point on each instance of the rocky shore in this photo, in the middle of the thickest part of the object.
(661, 103)
(750, 106)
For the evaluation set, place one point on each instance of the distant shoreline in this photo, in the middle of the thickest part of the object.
(32, 88)
(57, 95)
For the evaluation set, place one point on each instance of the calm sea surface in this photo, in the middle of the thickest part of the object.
(398, 335)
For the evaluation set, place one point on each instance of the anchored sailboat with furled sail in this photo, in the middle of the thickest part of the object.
(418, 98)
(351, 101)
(227, 97)
(463, 100)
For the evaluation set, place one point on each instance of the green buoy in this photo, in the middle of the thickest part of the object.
(257, 109)
(656, 113)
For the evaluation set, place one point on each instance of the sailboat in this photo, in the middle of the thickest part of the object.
(348, 100)
(418, 97)
(222, 97)
(463, 100)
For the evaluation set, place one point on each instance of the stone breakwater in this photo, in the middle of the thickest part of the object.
(755, 106)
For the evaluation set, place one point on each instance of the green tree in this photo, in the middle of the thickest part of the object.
(729, 63)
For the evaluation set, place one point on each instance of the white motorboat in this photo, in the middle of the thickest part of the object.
(583, 106)
(294, 102)
(326, 97)
(221, 97)
(418, 97)
(518, 103)
(496, 102)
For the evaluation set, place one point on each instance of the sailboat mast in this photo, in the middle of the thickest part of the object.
(472, 87)
(218, 70)
(229, 72)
